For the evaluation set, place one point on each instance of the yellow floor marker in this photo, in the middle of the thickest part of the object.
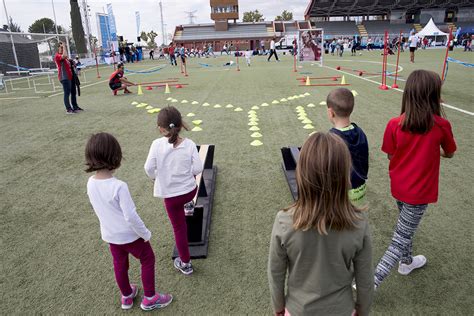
(311, 105)
(149, 107)
(354, 93)
(184, 101)
(252, 124)
(134, 103)
(299, 107)
(217, 106)
(256, 143)
(283, 100)
(307, 121)
(251, 112)
(264, 104)
(256, 135)
(253, 119)
(254, 128)
(141, 105)
(169, 99)
(301, 96)
(195, 102)
(229, 106)
(196, 129)
(197, 122)
(307, 94)
(140, 92)
(255, 107)
(174, 101)
(238, 110)
(323, 103)
(343, 81)
(190, 115)
(308, 126)
(275, 102)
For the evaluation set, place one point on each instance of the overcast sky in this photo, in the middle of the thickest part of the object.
(25, 12)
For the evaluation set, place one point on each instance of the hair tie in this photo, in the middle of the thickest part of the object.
(171, 125)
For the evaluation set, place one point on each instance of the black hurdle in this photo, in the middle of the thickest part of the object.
(291, 156)
(199, 223)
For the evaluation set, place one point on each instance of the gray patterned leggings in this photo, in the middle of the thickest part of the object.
(400, 249)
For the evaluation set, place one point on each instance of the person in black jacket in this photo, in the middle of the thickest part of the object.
(340, 104)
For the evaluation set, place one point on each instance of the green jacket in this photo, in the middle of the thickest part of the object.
(320, 269)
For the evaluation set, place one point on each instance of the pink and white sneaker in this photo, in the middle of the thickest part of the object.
(158, 301)
(127, 301)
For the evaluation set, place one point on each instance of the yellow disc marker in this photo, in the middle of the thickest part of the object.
(149, 107)
(275, 102)
(205, 104)
(134, 103)
(191, 115)
(308, 126)
(307, 121)
(196, 129)
(169, 99)
(354, 93)
(253, 119)
(141, 105)
(184, 101)
(229, 106)
(152, 111)
(311, 105)
(254, 128)
(174, 101)
(252, 124)
(251, 112)
(238, 110)
(323, 103)
(255, 107)
(307, 94)
(299, 107)
(256, 143)
(197, 122)
(256, 135)
(264, 104)
(195, 102)
(301, 96)
(217, 106)
(283, 100)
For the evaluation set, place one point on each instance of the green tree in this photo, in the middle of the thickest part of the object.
(151, 39)
(144, 36)
(285, 16)
(253, 16)
(12, 26)
(44, 25)
(77, 29)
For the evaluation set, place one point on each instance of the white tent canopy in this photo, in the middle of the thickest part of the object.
(431, 29)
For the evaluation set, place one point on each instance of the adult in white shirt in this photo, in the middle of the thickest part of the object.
(273, 50)
(413, 41)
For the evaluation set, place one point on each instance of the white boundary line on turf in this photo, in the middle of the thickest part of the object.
(19, 98)
(400, 90)
(98, 82)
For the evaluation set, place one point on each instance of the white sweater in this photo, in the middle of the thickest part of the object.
(113, 205)
(173, 169)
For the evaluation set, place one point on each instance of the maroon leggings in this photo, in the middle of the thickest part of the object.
(141, 250)
(175, 209)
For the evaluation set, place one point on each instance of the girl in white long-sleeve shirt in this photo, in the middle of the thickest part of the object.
(120, 224)
(173, 162)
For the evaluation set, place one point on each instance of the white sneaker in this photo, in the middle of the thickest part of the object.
(418, 262)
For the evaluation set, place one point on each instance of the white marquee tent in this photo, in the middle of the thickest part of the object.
(431, 29)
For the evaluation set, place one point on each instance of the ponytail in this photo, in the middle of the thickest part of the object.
(170, 119)
(173, 134)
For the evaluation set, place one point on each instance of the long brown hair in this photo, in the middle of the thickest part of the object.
(170, 119)
(421, 100)
(102, 152)
(323, 181)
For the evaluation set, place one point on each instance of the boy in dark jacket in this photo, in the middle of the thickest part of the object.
(340, 104)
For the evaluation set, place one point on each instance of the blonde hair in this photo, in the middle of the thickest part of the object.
(323, 181)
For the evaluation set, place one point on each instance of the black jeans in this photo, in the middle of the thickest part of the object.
(69, 90)
(173, 60)
(272, 52)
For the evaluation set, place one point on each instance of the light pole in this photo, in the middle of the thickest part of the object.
(55, 23)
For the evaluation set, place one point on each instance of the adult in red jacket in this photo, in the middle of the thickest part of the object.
(65, 77)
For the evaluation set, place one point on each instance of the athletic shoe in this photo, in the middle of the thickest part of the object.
(126, 91)
(115, 92)
(157, 301)
(127, 301)
(185, 268)
(70, 112)
(189, 209)
(418, 262)
(78, 109)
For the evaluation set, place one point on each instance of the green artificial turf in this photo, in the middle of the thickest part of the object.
(54, 262)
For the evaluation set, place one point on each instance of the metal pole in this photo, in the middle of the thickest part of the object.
(162, 25)
(54, 14)
(11, 38)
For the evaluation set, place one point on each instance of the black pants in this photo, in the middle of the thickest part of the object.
(69, 90)
(272, 52)
(173, 60)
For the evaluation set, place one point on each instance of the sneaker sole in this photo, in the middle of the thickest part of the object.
(183, 272)
(156, 306)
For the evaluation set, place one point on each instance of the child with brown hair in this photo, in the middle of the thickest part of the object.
(316, 241)
(120, 225)
(173, 162)
(340, 103)
(414, 142)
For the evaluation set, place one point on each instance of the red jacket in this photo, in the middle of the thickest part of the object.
(59, 59)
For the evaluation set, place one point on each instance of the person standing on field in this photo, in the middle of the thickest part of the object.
(272, 50)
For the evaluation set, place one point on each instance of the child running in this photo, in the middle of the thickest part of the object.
(414, 142)
(173, 162)
(340, 104)
(316, 240)
(120, 224)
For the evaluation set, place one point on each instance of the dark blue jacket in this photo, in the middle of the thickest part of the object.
(359, 148)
